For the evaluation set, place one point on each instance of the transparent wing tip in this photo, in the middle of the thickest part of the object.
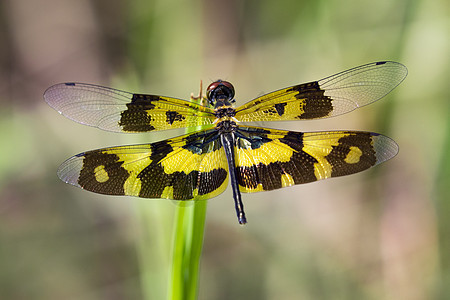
(385, 147)
(69, 170)
(54, 95)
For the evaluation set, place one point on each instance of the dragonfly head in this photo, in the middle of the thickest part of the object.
(220, 93)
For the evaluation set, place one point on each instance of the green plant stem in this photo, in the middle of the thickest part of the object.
(187, 248)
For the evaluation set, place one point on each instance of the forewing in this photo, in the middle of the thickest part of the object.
(183, 168)
(331, 96)
(268, 159)
(120, 111)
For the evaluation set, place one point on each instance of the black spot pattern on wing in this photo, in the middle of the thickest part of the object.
(173, 116)
(337, 156)
(300, 166)
(279, 107)
(113, 167)
(159, 150)
(210, 181)
(155, 180)
(294, 140)
(316, 104)
(136, 117)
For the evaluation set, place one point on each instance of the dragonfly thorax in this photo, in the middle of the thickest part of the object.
(225, 111)
(225, 119)
(226, 126)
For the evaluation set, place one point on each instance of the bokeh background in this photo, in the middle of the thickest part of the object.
(381, 234)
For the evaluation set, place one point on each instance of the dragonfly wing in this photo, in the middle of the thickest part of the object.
(331, 96)
(268, 159)
(188, 167)
(114, 110)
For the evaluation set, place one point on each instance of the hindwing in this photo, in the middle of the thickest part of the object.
(188, 167)
(268, 159)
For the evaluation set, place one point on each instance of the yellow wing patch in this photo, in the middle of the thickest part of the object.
(276, 106)
(100, 174)
(353, 156)
(150, 113)
(273, 152)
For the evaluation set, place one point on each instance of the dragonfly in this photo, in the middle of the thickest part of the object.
(198, 165)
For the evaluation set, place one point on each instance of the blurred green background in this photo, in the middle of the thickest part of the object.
(381, 234)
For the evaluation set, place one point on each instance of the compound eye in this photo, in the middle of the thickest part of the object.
(212, 87)
(220, 88)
